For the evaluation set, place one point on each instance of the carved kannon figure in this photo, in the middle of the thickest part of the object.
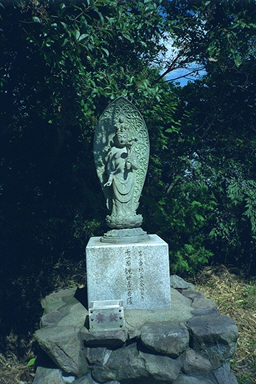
(121, 161)
(121, 153)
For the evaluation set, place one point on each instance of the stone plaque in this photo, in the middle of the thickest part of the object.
(106, 315)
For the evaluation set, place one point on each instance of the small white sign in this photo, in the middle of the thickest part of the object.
(106, 315)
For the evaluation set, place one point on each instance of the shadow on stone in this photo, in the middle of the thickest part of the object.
(81, 296)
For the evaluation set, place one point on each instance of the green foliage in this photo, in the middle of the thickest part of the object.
(62, 62)
(219, 112)
(215, 34)
(31, 362)
(217, 116)
(177, 203)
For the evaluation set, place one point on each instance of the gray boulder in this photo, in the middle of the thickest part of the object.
(63, 309)
(120, 364)
(85, 380)
(198, 299)
(178, 283)
(168, 337)
(184, 379)
(192, 294)
(180, 311)
(202, 302)
(48, 376)
(128, 363)
(56, 300)
(51, 319)
(112, 338)
(161, 368)
(195, 364)
(214, 336)
(71, 314)
(89, 380)
(97, 355)
(74, 315)
(64, 346)
(202, 311)
(223, 375)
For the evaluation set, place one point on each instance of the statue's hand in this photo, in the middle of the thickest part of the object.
(131, 162)
(108, 184)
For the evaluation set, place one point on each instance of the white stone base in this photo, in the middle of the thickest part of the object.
(137, 273)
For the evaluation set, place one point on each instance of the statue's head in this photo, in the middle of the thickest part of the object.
(122, 133)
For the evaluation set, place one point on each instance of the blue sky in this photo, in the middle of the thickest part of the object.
(182, 72)
(179, 75)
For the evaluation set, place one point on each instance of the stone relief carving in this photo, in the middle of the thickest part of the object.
(121, 152)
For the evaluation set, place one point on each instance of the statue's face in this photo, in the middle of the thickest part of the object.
(122, 138)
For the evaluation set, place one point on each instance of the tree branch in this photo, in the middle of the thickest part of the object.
(187, 74)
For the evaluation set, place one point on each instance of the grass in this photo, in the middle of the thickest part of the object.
(13, 370)
(234, 296)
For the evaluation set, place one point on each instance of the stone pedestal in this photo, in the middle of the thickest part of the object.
(137, 273)
(189, 343)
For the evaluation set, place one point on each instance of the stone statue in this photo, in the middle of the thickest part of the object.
(121, 162)
(121, 152)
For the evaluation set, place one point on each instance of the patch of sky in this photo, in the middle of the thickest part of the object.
(182, 72)
(182, 76)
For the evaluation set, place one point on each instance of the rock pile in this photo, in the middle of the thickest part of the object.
(192, 343)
